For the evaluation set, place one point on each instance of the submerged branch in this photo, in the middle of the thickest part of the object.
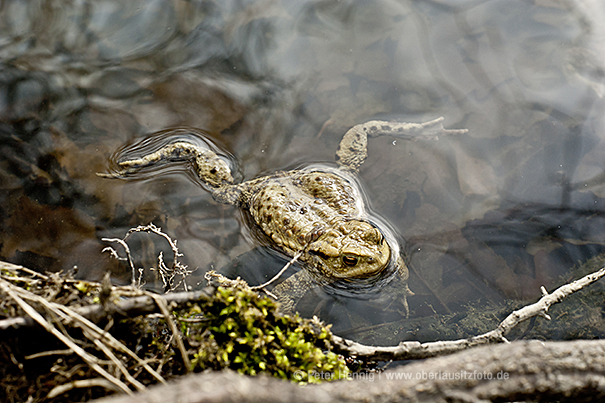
(412, 350)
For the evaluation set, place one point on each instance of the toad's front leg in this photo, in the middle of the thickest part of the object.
(352, 151)
(291, 290)
(400, 284)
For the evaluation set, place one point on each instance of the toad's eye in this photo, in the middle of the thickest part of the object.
(350, 260)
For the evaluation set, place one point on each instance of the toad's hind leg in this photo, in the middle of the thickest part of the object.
(352, 151)
(209, 167)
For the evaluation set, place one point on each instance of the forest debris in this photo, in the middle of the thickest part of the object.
(138, 303)
(231, 327)
(91, 360)
(176, 333)
(404, 351)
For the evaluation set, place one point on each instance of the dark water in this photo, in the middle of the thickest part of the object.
(489, 215)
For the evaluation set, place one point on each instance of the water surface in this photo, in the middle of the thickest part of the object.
(488, 216)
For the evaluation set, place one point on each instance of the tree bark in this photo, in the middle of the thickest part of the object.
(519, 371)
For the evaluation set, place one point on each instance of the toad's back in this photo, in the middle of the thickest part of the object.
(295, 208)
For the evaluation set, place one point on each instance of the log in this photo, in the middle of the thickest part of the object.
(525, 370)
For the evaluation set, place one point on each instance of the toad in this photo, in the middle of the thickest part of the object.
(316, 214)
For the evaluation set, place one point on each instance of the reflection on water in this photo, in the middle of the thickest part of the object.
(488, 215)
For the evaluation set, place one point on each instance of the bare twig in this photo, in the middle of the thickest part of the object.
(158, 231)
(415, 350)
(167, 275)
(278, 275)
(48, 353)
(96, 334)
(178, 337)
(85, 383)
(115, 255)
(130, 307)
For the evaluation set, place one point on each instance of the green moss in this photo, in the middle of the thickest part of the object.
(242, 331)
